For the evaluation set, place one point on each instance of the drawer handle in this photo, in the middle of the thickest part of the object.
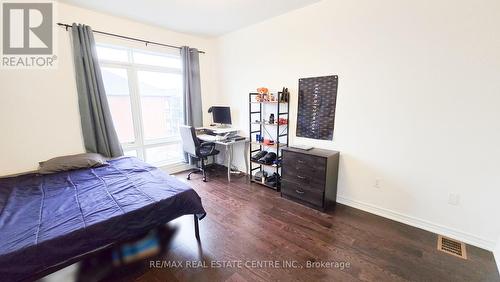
(300, 161)
(299, 192)
(301, 177)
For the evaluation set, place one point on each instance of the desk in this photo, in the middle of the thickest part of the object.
(219, 130)
(228, 145)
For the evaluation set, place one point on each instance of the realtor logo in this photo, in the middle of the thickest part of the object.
(28, 34)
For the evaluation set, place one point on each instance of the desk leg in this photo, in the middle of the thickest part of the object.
(229, 157)
(247, 147)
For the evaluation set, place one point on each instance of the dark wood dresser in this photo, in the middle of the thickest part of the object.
(310, 177)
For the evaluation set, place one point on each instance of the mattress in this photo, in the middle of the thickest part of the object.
(48, 219)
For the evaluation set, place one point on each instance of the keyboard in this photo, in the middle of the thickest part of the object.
(206, 137)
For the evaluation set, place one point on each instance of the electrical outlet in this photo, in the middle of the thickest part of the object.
(378, 183)
(454, 199)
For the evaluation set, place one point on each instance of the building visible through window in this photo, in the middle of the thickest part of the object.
(144, 91)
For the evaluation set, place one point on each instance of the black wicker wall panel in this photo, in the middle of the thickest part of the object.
(316, 110)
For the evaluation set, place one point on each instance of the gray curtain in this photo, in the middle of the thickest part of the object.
(99, 134)
(193, 114)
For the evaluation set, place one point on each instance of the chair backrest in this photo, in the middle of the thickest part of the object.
(189, 140)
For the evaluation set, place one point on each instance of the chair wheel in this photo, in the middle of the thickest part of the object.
(188, 178)
(204, 180)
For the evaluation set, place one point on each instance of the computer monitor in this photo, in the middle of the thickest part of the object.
(221, 115)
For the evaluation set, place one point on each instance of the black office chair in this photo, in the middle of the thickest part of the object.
(196, 150)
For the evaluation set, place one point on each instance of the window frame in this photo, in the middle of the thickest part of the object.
(140, 145)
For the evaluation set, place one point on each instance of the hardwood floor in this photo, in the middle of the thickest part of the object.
(250, 223)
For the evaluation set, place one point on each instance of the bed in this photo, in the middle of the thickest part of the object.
(49, 220)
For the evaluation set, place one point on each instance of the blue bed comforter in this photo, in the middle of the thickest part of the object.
(48, 219)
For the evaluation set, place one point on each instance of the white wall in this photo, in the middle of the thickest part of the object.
(418, 101)
(39, 116)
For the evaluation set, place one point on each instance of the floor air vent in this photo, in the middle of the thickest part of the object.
(452, 247)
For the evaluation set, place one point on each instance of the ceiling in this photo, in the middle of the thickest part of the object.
(200, 17)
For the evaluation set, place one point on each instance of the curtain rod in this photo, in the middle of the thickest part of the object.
(128, 37)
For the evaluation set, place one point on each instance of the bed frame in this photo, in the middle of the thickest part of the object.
(57, 267)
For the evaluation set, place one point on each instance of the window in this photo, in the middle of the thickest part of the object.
(144, 91)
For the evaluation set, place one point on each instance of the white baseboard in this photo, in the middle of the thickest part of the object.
(420, 223)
